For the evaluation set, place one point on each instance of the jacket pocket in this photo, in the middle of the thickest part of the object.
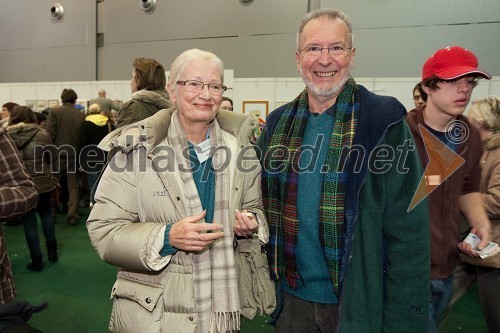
(256, 289)
(135, 307)
(145, 295)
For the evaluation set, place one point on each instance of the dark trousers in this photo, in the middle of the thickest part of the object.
(488, 280)
(70, 193)
(301, 316)
(31, 225)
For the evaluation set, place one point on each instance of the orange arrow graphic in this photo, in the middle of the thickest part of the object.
(443, 162)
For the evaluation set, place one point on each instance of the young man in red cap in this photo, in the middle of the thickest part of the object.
(450, 148)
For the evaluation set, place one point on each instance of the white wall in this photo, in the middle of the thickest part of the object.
(275, 91)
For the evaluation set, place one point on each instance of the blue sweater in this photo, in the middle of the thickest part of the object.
(316, 283)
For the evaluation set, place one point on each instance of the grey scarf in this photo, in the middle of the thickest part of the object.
(214, 272)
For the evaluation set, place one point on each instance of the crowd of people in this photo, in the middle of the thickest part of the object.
(355, 200)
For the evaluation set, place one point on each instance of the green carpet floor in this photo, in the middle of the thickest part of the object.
(77, 287)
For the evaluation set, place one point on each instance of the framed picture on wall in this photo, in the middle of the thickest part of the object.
(53, 103)
(81, 104)
(31, 103)
(260, 109)
(41, 104)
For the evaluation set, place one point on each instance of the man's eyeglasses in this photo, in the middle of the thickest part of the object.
(197, 86)
(336, 51)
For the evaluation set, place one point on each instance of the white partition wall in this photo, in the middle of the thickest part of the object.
(274, 91)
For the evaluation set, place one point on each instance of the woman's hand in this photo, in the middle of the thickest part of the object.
(245, 225)
(190, 235)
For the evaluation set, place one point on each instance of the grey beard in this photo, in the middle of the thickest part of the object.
(325, 92)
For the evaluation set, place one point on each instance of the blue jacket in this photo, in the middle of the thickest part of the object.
(384, 273)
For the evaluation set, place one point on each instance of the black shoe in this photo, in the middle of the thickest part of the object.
(72, 220)
(52, 251)
(36, 264)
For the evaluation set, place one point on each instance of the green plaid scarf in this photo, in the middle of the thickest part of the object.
(281, 188)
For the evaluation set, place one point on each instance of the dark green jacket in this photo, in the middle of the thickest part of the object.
(384, 274)
(144, 104)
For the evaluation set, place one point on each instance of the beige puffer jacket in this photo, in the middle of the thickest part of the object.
(134, 202)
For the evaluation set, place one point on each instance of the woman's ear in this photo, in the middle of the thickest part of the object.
(171, 91)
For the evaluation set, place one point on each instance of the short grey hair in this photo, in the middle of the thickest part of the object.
(330, 13)
(189, 56)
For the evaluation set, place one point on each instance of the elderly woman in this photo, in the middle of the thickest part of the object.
(181, 187)
(148, 92)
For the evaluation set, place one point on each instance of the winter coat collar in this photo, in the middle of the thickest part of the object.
(98, 119)
(493, 142)
(23, 133)
(151, 131)
(159, 98)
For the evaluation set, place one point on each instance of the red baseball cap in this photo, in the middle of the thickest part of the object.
(452, 62)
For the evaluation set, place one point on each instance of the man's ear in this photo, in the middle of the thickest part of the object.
(297, 59)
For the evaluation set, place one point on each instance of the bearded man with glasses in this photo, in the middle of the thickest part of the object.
(347, 251)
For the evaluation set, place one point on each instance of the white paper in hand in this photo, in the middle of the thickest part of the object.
(490, 250)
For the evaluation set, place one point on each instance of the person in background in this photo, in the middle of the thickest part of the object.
(485, 116)
(171, 231)
(55, 196)
(18, 195)
(226, 104)
(41, 119)
(107, 105)
(24, 130)
(64, 125)
(148, 92)
(93, 159)
(6, 108)
(80, 108)
(347, 251)
(419, 95)
(448, 78)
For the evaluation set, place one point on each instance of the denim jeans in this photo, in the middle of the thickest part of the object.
(31, 225)
(93, 180)
(440, 296)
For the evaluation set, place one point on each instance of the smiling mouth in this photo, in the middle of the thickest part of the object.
(325, 74)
